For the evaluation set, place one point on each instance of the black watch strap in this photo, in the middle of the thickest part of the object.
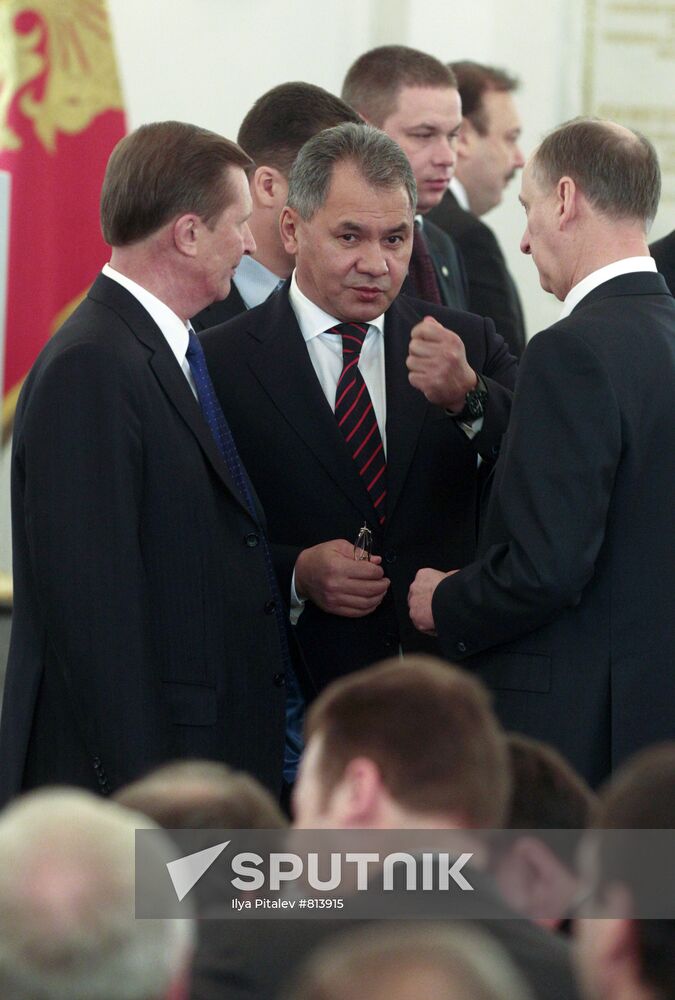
(474, 404)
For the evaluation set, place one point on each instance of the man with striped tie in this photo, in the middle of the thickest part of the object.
(321, 387)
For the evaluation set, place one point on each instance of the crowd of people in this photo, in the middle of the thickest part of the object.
(301, 527)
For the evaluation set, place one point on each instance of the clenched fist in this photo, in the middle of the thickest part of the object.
(437, 365)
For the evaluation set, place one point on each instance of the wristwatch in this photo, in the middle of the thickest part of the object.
(474, 404)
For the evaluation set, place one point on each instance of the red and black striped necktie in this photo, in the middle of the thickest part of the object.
(356, 417)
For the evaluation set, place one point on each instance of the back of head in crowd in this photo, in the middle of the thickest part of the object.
(425, 733)
(409, 963)
(68, 929)
(535, 871)
(202, 795)
(616, 168)
(161, 171)
(285, 118)
(624, 956)
(374, 82)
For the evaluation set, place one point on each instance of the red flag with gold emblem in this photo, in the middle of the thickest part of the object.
(61, 114)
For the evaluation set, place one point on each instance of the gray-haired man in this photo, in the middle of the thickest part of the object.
(321, 386)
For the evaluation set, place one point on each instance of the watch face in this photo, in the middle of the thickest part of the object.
(475, 403)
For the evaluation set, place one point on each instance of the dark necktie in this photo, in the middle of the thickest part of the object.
(421, 269)
(356, 417)
(222, 435)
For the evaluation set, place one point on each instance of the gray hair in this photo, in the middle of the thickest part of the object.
(616, 168)
(68, 929)
(436, 961)
(380, 161)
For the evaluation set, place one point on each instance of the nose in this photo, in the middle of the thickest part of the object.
(248, 241)
(518, 158)
(445, 154)
(372, 260)
(525, 245)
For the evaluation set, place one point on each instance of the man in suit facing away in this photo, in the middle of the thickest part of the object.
(413, 97)
(321, 385)
(145, 622)
(272, 133)
(488, 155)
(567, 612)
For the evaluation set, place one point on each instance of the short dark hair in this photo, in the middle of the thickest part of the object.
(380, 161)
(374, 81)
(546, 794)
(429, 728)
(641, 796)
(202, 795)
(282, 120)
(161, 171)
(616, 168)
(474, 80)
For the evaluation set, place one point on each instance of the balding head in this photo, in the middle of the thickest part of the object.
(615, 168)
(68, 929)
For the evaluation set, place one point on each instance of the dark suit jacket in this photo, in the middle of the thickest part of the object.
(568, 614)
(258, 959)
(663, 252)
(448, 267)
(309, 484)
(220, 312)
(492, 291)
(139, 631)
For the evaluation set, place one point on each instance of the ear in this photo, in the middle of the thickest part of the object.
(185, 231)
(289, 223)
(359, 793)
(567, 201)
(268, 186)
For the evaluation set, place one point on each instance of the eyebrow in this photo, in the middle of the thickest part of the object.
(357, 227)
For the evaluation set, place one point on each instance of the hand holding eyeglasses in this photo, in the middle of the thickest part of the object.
(336, 580)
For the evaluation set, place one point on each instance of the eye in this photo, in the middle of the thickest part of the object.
(426, 134)
(395, 240)
(348, 237)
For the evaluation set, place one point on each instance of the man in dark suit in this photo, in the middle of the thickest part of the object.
(412, 745)
(488, 156)
(663, 252)
(567, 613)
(272, 133)
(413, 98)
(277, 368)
(145, 624)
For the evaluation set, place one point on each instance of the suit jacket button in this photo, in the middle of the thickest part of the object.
(390, 641)
(279, 680)
(390, 557)
(270, 607)
(251, 539)
(461, 647)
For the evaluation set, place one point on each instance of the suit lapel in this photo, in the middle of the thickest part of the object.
(167, 371)
(406, 406)
(282, 365)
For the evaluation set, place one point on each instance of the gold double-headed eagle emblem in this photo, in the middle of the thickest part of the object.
(62, 67)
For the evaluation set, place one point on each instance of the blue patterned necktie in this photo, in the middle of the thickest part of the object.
(215, 418)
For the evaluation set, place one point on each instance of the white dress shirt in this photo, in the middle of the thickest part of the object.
(460, 194)
(629, 265)
(255, 282)
(174, 330)
(325, 353)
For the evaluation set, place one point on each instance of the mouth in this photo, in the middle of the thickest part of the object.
(438, 183)
(368, 292)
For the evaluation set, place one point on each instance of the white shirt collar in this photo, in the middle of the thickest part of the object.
(626, 266)
(312, 319)
(255, 282)
(174, 330)
(460, 194)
